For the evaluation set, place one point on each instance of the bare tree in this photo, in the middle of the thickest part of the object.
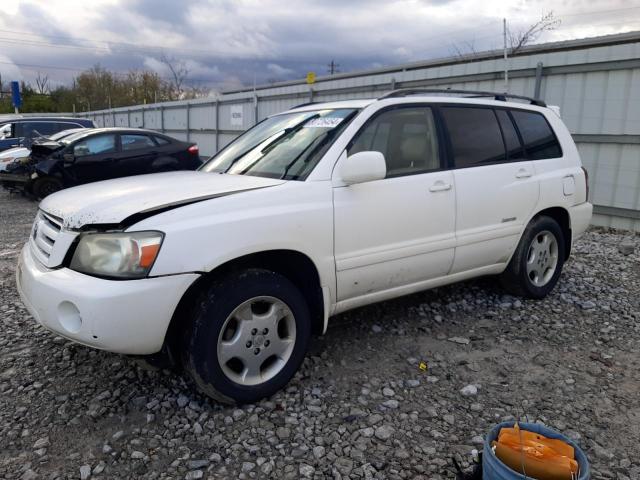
(519, 39)
(42, 83)
(179, 73)
(464, 50)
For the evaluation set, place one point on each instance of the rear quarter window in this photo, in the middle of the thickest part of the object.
(539, 140)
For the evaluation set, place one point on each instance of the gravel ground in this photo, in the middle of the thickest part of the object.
(360, 407)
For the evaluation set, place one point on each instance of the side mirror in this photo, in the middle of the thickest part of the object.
(363, 167)
(68, 157)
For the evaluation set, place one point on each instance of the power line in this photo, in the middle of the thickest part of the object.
(333, 67)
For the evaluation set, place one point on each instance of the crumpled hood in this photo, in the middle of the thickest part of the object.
(126, 200)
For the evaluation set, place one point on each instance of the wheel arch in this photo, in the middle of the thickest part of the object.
(294, 265)
(560, 215)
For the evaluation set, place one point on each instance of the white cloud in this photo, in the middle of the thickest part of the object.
(227, 42)
(279, 70)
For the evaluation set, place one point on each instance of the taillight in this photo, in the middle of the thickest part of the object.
(193, 150)
(586, 182)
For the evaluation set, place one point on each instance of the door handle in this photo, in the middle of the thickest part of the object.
(522, 173)
(440, 187)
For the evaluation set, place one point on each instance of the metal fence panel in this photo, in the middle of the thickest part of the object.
(596, 83)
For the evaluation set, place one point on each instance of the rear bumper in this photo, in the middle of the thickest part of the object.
(128, 316)
(580, 216)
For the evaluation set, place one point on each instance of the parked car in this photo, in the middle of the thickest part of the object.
(310, 213)
(15, 131)
(100, 154)
(21, 154)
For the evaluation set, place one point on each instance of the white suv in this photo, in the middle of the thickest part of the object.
(312, 212)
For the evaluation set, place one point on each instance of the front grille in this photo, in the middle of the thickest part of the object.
(44, 234)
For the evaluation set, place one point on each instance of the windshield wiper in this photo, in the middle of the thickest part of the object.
(285, 132)
(316, 143)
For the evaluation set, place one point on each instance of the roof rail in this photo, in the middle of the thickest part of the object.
(403, 92)
(304, 105)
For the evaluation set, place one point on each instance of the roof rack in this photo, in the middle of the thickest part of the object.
(304, 104)
(403, 92)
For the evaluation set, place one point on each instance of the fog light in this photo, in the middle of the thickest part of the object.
(69, 317)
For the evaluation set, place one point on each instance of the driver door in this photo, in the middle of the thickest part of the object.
(93, 158)
(396, 233)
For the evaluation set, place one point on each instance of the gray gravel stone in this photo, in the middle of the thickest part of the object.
(575, 369)
(85, 472)
(384, 432)
(460, 340)
(306, 471)
(626, 247)
(469, 391)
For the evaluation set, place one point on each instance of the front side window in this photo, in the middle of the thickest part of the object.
(135, 142)
(406, 136)
(95, 145)
(539, 140)
(287, 146)
(475, 136)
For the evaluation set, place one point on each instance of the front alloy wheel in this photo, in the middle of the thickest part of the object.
(256, 340)
(248, 336)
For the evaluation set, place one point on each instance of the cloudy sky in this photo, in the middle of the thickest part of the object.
(226, 44)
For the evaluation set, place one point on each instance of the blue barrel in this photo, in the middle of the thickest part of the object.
(494, 469)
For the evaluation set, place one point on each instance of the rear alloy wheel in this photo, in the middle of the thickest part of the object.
(542, 258)
(249, 334)
(45, 186)
(537, 262)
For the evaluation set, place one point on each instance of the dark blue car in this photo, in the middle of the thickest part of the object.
(18, 131)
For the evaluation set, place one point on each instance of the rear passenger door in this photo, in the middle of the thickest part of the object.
(137, 153)
(398, 231)
(496, 186)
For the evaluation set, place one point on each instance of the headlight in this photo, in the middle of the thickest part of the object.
(119, 255)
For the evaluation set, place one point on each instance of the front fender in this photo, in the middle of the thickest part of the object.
(48, 166)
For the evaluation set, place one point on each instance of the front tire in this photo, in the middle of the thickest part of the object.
(44, 186)
(248, 336)
(537, 262)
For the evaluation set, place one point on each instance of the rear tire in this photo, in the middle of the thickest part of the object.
(537, 262)
(44, 186)
(248, 336)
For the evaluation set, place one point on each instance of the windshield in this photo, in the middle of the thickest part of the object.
(284, 146)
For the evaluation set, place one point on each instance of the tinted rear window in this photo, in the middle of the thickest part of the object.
(539, 140)
(475, 136)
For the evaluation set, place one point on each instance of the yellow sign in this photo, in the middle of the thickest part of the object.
(311, 78)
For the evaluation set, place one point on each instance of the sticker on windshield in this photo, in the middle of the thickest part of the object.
(323, 122)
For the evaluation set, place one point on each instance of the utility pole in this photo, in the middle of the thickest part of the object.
(333, 67)
(506, 61)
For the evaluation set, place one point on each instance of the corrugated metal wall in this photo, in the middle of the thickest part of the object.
(596, 83)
